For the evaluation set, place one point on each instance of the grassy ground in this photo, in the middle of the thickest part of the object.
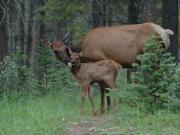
(47, 115)
(132, 121)
(52, 114)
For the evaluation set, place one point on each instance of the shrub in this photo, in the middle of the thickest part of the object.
(155, 82)
(15, 79)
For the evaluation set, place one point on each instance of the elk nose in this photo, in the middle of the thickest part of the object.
(70, 64)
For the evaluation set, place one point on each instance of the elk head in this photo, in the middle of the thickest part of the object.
(59, 49)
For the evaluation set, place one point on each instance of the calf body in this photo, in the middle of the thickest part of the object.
(102, 72)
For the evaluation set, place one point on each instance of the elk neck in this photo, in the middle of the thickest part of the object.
(75, 68)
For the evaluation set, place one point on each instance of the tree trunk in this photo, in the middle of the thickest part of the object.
(12, 23)
(133, 11)
(98, 13)
(28, 30)
(3, 34)
(35, 42)
(109, 9)
(37, 34)
(170, 21)
(59, 30)
(21, 23)
(149, 10)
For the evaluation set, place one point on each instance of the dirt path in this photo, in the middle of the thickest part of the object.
(92, 126)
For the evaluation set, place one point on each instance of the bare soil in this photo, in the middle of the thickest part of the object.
(93, 126)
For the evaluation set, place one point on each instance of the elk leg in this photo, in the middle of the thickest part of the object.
(111, 84)
(108, 101)
(90, 95)
(83, 98)
(102, 110)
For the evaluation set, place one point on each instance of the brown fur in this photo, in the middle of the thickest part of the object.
(102, 72)
(59, 50)
(120, 43)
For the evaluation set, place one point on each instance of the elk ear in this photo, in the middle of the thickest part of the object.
(68, 51)
(46, 41)
(66, 38)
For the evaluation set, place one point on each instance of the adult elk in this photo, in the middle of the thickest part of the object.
(119, 43)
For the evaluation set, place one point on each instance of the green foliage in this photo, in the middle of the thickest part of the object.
(65, 16)
(8, 75)
(18, 82)
(155, 81)
(15, 79)
(60, 10)
(174, 103)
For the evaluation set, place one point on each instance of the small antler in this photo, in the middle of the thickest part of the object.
(66, 38)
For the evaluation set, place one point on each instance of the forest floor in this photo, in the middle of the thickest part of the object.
(92, 126)
(115, 124)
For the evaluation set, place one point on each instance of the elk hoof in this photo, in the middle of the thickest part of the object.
(102, 111)
(82, 112)
(94, 113)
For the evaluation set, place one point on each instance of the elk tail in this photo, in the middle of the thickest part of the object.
(169, 32)
(164, 34)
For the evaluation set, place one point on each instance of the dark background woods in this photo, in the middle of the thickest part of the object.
(24, 22)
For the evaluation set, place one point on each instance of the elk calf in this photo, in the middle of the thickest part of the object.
(102, 72)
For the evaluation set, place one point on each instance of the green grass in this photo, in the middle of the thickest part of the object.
(47, 115)
(130, 121)
(52, 114)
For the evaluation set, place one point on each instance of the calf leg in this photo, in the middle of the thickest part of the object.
(103, 90)
(90, 95)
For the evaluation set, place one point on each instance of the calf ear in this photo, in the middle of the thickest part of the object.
(80, 54)
(68, 51)
(77, 55)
